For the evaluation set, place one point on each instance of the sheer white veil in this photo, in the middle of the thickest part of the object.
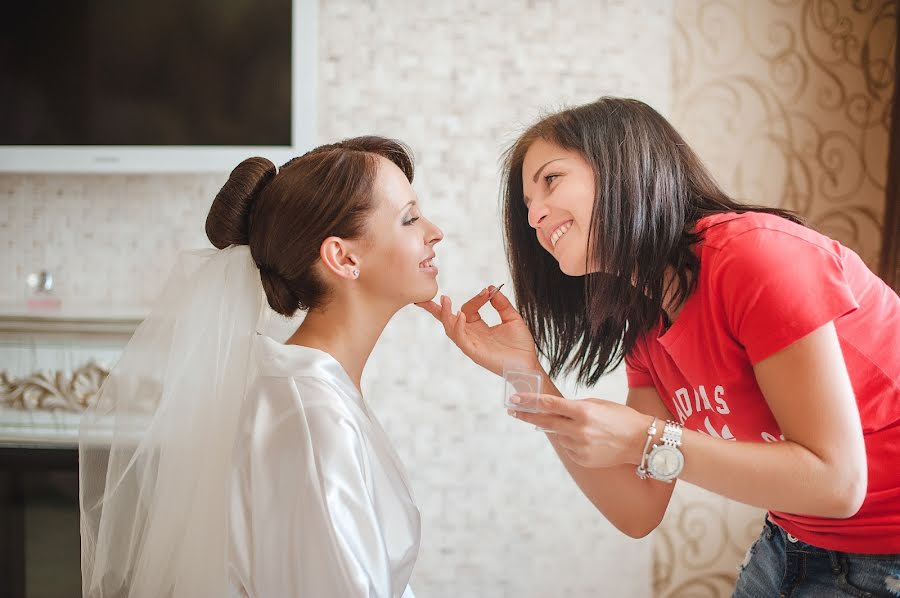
(155, 451)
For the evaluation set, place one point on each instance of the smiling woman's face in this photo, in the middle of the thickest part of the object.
(558, 185)
(397, 266)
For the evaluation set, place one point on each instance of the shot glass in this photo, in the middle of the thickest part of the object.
(518, 380)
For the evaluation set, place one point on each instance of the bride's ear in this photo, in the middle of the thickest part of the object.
(338, 257)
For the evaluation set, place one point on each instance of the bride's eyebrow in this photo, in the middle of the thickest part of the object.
(411, 202)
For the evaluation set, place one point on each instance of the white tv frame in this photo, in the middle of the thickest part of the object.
(192, 159)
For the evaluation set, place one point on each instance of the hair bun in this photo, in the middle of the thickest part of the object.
(229, 215)
(279, 294)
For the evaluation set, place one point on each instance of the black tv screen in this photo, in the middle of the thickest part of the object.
(146, 73)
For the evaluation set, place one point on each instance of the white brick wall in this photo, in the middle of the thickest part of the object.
(456, 81)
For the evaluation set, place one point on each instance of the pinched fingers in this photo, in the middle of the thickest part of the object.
(471, 307)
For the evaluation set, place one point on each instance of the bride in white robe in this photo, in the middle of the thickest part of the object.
(349, 526)
(219, 462)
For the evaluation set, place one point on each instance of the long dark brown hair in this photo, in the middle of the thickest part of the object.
(650, 191)
(285, 214)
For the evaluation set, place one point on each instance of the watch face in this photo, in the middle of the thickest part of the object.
(665, 462)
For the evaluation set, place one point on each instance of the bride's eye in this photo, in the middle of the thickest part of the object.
(550, 178)
(410, 221)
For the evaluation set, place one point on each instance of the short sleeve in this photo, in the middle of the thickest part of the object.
(777, 287)
(636, 370)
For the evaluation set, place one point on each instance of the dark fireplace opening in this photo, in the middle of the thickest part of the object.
(39, 523)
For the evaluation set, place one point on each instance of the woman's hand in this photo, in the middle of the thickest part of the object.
(509, 342)
(591, 432)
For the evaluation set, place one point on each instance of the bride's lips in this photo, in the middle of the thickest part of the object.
(427, 265)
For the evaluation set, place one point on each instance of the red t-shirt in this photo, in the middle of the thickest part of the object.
(765, 283)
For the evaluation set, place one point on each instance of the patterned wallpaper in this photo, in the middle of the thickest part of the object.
(788, 102)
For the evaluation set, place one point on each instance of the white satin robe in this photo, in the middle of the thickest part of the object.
(320, 503)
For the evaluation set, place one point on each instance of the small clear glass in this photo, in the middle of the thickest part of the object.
(518, 380)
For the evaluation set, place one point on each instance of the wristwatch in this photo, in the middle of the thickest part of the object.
(666, 461)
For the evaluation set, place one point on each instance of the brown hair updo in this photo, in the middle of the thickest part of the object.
(285, 215)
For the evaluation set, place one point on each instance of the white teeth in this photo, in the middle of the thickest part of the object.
(425, 264)
(559, 232)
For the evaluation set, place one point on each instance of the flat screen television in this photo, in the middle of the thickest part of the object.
(155, 85)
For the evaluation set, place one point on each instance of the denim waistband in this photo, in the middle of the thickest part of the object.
(791, 542)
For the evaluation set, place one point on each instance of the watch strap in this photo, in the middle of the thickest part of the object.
(672, 434)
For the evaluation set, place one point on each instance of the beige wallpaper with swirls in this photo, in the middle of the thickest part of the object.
(788, 102)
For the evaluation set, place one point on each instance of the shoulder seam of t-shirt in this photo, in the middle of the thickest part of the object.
(719, 248)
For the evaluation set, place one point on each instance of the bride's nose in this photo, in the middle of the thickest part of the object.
(435, 235)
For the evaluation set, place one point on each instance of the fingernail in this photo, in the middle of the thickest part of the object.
(515, 399)
(483, 291)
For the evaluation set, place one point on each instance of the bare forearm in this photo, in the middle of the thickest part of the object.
(633, 505)
(780, 476)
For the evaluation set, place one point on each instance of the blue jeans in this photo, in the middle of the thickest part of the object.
(779, 565)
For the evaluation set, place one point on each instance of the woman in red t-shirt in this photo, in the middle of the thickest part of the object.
(763, 358)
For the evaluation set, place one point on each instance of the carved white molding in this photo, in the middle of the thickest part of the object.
(52, 391)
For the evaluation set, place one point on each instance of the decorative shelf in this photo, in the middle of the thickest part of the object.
(78, 320)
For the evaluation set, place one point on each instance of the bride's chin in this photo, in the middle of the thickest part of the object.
(425, 295)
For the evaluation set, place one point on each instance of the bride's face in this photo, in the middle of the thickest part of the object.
(397, 263)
